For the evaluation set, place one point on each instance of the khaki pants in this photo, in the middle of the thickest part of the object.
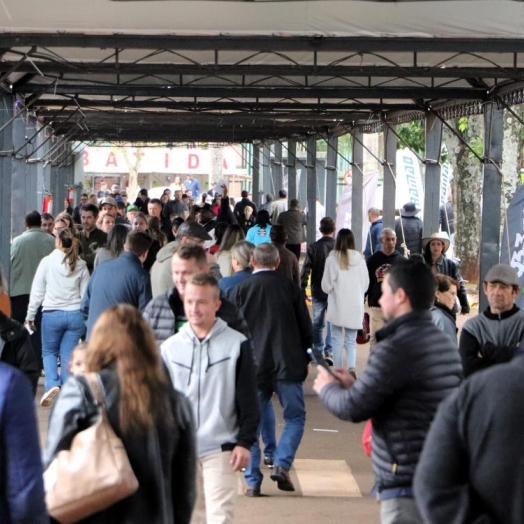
(217, 486)
(376, 321)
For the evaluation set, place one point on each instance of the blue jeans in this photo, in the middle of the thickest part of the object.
(267, 430)
(61, 331)
(339, 341)
(291, 396)
(319, 314)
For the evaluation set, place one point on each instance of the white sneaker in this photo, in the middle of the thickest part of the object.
(49, 396)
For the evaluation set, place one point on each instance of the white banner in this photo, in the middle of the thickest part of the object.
(182, 160)
(409, 183)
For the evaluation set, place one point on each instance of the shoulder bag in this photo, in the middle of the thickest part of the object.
(94, 474)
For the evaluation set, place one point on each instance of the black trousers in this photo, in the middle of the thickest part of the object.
(19, 307)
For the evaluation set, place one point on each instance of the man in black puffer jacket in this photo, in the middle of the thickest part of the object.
(410, 371)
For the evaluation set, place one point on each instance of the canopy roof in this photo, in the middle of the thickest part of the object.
(218, 71)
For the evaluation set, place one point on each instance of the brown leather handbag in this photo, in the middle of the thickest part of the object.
(94, 474)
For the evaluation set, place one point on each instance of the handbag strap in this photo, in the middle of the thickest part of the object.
(94, 384)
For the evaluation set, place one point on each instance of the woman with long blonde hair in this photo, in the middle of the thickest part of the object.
(58, 286)
(152, 419)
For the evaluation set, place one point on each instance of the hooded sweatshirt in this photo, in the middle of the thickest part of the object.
(217, 374)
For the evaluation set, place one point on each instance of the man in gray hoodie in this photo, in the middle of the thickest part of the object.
(213, 366)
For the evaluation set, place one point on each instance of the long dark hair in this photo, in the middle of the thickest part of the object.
(71, 248)
(116, 239)
(262, 219)
(344, 242)
(121, 337)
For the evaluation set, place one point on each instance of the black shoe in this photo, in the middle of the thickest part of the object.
(268, 461)
(281, 477)
(253, 492)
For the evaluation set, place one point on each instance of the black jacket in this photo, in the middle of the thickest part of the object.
(163, 459)
(316, 256)
(410, 371)
(378, 264)
(495, 345)
(18, 350)
(279, 322)
(411, 231)
(471, 469)
(239, 209)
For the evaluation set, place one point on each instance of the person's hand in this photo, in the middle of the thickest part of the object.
(345, 378)
(224, 190)
(30, 325)
(239, 458)
(322, 379)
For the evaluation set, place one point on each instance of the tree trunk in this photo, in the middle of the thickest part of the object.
(467, 188)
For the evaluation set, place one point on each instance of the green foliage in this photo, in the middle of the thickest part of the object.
(412, 136)
(475, 142)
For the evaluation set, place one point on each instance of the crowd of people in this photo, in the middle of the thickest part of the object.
(192, 314)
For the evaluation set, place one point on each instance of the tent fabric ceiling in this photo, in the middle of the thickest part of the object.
(241, 71)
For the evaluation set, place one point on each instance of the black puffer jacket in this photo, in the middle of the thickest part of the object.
(411, 231)
(410, 371)
(17, 349)
(163, 459)
(315, 262)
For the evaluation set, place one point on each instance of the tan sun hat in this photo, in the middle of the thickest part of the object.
(442, 236)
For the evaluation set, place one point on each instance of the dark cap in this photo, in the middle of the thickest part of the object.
(504, 274)
(193, 230)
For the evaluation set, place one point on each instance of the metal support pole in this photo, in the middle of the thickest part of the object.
(331, 176)
(276, 166)
(267, 186)
(321, 180)
(311, 189)
(6, 177)
(255, 167)
(357, 193)
(388, 205)
(491, 193)
(433, 130)
(292, 168)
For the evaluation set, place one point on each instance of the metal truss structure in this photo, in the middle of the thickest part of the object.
(167, 89)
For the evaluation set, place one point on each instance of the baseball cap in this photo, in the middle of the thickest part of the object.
(504, 274)
(193, 230)
(108, 200)
(132, 208)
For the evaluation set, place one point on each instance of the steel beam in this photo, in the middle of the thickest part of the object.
(342, 92)
(255, 167)
(311, 145)
(357, 193)
(433, 132)
(263, 43)
(291, 168)
(331, 176)
(267, 182)
(6, 176)
(276, 166)
(265, 70)
(491, 193)
(388, 205)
